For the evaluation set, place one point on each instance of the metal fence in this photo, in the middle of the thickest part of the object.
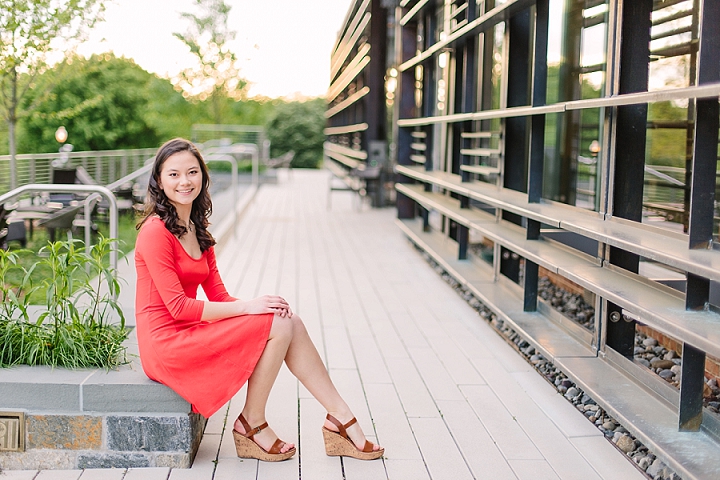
(105, 167)
(212, 135)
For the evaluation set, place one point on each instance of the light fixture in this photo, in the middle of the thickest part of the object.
(61, 134)
(594, 148)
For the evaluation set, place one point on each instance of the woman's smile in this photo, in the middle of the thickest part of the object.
(181, 179)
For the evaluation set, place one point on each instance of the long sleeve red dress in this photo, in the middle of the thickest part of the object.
(206, 363)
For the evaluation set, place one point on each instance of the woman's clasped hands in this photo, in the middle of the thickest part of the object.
(268, 304)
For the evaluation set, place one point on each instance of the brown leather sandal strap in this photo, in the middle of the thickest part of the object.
(251, 432)
(368, 447)
(351, 422)
(342, 429)
(276, 447)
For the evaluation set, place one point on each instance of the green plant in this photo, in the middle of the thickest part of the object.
(14, 301)
(74, 329)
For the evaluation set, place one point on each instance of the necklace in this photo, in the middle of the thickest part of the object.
(190, 226)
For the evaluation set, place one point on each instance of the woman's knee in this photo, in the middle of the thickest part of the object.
(298, 325)
(282, 327)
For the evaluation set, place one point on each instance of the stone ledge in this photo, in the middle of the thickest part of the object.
(126, 389)
(93, 418)
(106, 441)
(47, 459)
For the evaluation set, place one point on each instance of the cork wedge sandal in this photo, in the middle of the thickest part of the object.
(246, 447)
(339, 443)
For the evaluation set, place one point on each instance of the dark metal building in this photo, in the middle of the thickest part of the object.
(569, 141)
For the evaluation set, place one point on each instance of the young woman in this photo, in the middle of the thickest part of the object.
(206, 350)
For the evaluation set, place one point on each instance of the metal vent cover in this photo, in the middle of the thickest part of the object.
(12, 431)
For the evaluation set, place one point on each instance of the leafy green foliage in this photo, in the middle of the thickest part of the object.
(74, 330)
(298, 126)
(667, 146)
(104, 102)
(14, 300)
(108, 103)
(29, 31)
(216, 74)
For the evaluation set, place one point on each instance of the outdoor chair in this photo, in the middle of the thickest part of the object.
(11, 230)
(62, 219)
(63, 176)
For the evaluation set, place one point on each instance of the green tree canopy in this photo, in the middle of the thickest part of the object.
(106, 103)
(216, 75)
(29, 31)
(298, 126)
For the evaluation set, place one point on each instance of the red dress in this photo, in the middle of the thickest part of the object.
(206, 363)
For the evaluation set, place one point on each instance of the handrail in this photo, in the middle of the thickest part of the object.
(55, 188)
(132, 176)
(224, 157)
(711, 90)
(241, 149)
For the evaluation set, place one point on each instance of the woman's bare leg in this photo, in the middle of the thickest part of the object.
(304, 362)
(262, 379)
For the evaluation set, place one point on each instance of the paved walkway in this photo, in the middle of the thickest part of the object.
(426, 377)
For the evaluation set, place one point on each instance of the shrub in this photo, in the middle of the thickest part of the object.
(74, 330)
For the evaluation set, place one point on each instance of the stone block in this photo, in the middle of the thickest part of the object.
(172, 433)
(40, 459)
(64, 432)
(41, 388)
(129, 391)
(113, 460)
(173, 460)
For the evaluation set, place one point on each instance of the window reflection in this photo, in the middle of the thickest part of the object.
(576, 70)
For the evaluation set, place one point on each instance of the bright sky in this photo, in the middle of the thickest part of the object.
(284, 45)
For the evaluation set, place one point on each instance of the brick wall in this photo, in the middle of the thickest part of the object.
(560, 281)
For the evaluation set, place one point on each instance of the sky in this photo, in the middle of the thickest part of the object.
(284, 45)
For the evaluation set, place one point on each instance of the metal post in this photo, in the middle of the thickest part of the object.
(537, 148)
(629, 175)
(702, 201)
(89, 204)
(404, 107)
(530, 280)
(518, 81)
(691, 388)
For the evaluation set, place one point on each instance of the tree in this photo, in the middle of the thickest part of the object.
(106, 103)
(29, 31)
(216, 74)
(298, 126)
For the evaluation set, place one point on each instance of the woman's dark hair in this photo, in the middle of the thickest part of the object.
(157, 203)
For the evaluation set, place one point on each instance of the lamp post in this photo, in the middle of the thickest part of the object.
(61, 135)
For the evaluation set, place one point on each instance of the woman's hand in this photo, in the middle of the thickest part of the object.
(268, 304)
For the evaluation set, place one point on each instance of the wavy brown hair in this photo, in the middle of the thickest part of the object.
(157, 203)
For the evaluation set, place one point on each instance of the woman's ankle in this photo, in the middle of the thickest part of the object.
(253, 420)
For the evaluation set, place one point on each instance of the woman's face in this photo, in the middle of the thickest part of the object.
(181, 179)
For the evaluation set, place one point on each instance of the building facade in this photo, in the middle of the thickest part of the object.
(570, 142)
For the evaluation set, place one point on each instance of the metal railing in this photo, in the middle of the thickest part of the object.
(93, 189)
(105, 166)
